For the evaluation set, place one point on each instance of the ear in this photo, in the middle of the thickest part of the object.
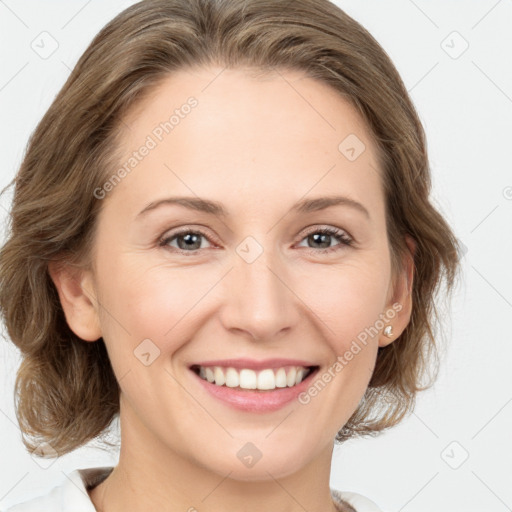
(401, 296)
(78, 299)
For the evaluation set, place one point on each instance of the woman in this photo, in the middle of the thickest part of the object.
(162, 264)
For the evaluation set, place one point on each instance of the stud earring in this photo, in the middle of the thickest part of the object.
(388, 331)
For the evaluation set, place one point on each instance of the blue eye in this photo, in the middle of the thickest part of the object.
(189, 242)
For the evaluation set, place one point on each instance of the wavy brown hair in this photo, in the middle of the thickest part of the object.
(65, 392)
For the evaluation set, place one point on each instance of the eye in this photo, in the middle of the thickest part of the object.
(188, 241)
(324, 237)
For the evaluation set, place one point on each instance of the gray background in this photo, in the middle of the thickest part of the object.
(453, 452)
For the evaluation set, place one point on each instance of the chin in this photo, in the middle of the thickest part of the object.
(264, 464)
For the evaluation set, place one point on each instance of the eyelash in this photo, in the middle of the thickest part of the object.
(345, 240)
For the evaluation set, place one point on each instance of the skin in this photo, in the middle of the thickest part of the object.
(257, 145)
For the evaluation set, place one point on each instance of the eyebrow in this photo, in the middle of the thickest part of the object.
(216, 208)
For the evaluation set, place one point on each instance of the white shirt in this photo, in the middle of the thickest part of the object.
(71, 495)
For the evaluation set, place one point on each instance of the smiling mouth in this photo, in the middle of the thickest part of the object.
(269, 379)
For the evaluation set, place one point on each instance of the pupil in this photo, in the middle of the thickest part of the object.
(187, 239)
(316, 236)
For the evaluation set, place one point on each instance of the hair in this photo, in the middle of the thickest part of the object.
(65, 391)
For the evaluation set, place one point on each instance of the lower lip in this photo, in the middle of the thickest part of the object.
(256, 401)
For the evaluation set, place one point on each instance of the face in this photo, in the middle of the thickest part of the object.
(257, 278)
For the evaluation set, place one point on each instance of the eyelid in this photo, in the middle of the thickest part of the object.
(328, 227)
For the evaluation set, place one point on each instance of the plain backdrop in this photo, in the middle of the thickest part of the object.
(453, 452)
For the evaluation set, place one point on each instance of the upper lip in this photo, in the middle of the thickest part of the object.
(255, 364)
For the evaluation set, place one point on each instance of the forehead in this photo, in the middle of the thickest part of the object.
(240, 133)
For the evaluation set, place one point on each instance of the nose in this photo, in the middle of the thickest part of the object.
(259, 298)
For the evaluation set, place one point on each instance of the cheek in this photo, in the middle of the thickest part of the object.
(346, 299)
(157, 303)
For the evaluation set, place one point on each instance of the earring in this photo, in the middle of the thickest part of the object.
(388, 331)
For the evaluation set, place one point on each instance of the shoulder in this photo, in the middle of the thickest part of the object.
(69, 496)
(358, 502)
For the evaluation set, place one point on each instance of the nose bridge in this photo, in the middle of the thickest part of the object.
(259, 302)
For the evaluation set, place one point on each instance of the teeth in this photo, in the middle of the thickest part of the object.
(220, 379)
(266, 379)
(232, 378)
(291, 377)
(286, 376)
(281, 378)
(210, 376)
(248, 378)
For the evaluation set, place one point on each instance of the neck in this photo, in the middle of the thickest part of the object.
(151, 475)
